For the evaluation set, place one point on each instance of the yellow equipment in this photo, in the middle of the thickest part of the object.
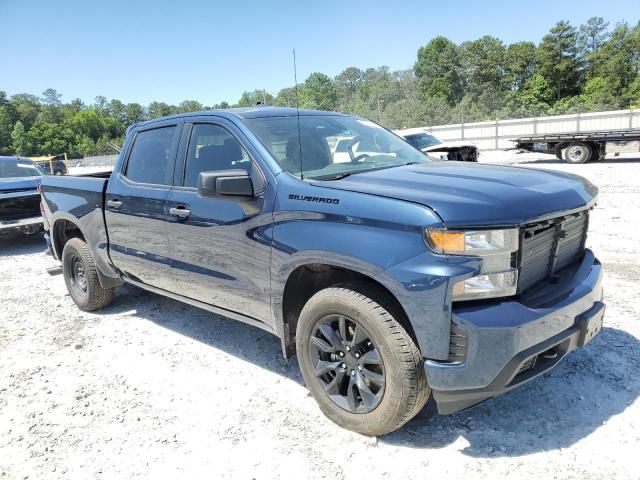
(53, 164)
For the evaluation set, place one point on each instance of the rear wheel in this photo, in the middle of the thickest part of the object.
(358, 361)
(578, 152)
(81, 277)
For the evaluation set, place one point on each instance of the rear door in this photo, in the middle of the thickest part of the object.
(220, 254)
(136, 207)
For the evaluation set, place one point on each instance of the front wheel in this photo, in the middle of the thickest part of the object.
(359, 363)
(81, 277)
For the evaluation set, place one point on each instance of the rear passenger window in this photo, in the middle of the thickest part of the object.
(213, 148)
(149, 160)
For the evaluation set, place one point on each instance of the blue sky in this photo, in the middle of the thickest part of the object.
(142, 50)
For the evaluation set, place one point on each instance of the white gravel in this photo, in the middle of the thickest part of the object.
(151, 388)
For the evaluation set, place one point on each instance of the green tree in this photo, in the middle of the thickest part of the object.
(520, 64)
(27, 108)
(134, 113)
(558, 60)
(190, 106)
(347, 83)
(631, 95)
(439, 70)
(88, 123)
(597, 96)
(51, 97)
(251, 99)
(286, 97)
(593, 35)
(318, 92)
(619, 54)
(536, 97)
(160, 109)
(21, 144)
(7, 120)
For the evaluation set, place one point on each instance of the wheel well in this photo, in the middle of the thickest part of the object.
(63, 231)
(307, 280)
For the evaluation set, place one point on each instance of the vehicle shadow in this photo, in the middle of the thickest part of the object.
(554, 411)
(231, 336)
(12, 243)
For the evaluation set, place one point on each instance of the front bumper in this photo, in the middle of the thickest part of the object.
(20, 224)
(509, 343)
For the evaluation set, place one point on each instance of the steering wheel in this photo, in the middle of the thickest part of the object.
(362, 156)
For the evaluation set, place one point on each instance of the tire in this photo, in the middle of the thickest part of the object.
(558, 152)
(81, 277)
(578, 152)
(404, 388)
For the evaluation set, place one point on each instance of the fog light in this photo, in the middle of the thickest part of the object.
(488, 285)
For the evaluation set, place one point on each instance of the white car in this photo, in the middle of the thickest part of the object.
(436, 149)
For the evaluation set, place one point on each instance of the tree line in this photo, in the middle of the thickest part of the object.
(591, 67)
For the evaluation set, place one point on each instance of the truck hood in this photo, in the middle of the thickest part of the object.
(468, 194)
(19, 184)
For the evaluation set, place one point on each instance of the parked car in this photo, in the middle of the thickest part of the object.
(19, 195)
(436, 149)
(52, 164)
(394, 278)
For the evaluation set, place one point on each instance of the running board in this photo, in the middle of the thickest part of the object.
(205, 306)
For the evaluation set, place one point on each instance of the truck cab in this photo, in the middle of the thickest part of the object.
(393, 278)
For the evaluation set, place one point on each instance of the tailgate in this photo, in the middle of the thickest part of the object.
(18, 205)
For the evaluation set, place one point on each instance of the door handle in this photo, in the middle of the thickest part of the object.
(180, 212)
(114, 203)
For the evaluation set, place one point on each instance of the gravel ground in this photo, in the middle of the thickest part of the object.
(151, 388)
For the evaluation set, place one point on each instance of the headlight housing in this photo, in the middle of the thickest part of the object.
(497, 277)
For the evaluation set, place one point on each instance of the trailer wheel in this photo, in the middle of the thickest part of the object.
(578, 152)
(558, 151)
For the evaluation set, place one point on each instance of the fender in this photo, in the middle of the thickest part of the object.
(92, 229)
(380, 238)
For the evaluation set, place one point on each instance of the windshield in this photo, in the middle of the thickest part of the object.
(18, 168)
(332, 146)
(423, 140)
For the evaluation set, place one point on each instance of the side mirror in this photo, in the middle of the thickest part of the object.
(225, 183)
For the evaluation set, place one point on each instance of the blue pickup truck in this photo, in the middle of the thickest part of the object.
(393, 278)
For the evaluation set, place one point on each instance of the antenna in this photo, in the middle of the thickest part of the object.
(295, 79)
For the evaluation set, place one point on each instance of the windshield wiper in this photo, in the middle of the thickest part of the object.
(337, 176)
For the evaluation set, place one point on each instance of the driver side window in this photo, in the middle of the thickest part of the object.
(213, 148)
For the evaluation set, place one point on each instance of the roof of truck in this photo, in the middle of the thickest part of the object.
(260, 111)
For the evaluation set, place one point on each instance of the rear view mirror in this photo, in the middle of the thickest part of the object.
(225, 183)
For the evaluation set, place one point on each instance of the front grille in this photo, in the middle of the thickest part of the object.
(19, 207)
(548, 247)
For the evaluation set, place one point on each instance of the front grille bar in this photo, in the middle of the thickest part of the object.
(550, 246)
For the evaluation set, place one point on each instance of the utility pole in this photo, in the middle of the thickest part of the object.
(379, 111)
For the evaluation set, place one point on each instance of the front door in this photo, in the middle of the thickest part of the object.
(219, 255)
(136, 208)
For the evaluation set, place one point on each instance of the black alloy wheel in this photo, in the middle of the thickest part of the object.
(347, 363)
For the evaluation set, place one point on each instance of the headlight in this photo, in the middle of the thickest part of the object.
(496, 278)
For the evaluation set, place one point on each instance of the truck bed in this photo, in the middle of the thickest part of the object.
(79, 201)
(596, 135)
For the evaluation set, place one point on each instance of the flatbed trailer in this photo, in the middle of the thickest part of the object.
(580, 147)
